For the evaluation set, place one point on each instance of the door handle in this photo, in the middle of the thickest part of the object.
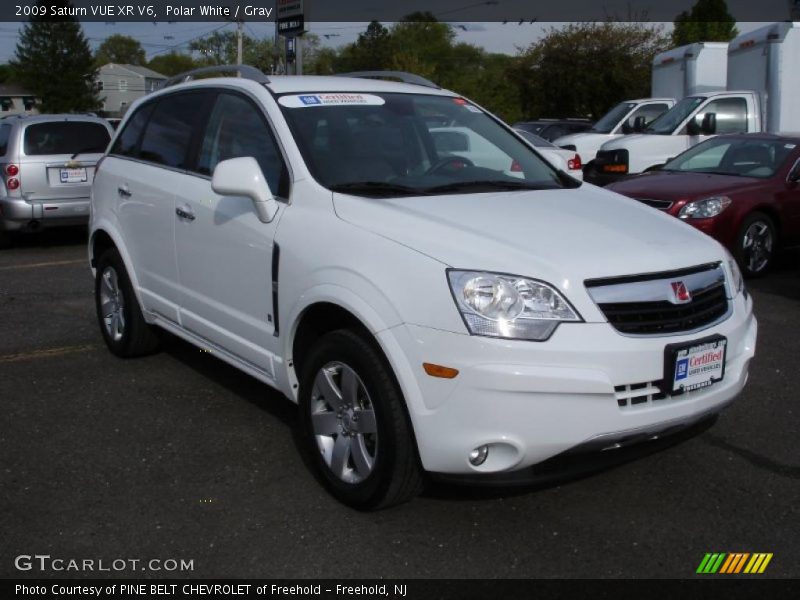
(184, 212)
(124, 191)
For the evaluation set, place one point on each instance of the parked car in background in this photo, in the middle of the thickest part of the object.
(741, 189)
(47, 164)
(114, 122)
(552, 129)
(627, 117)
(567, 160)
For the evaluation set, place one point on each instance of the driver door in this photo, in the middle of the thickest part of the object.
(224, 252)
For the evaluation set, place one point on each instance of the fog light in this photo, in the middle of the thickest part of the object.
(478, 456)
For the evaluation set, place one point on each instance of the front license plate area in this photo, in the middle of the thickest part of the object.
(693, 366)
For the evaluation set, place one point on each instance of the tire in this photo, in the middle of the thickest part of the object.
(360, 443)
(756, 245)
(119, 315)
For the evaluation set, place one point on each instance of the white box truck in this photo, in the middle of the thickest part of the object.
(691, 69)
(764, 85)
(677, 73)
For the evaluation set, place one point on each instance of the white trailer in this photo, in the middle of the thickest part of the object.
(689, 70)
(767, 61)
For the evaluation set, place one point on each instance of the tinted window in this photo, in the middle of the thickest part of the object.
(169, 131)
(127, 144)
(65, 137)
(731, 114)
(745, 157)
(236, 128)
(5, 131)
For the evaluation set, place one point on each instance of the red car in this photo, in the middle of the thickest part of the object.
(741, 189)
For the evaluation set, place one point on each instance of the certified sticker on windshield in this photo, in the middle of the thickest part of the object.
(336, 99)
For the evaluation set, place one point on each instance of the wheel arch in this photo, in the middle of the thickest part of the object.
(101, 239)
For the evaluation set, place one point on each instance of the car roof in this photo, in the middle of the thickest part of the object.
(778, 137)
(31, 119)
(298, 84)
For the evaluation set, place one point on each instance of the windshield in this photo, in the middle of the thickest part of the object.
(392, 144)
(743, 157)
(611, 119)
(666, 123)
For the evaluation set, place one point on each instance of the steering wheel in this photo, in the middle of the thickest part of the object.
(458, 162)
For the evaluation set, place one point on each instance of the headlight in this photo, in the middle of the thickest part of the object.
(508, 306)
(703, 209)
(737, 281)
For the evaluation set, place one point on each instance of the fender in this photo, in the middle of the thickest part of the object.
(376, 323)
(109, 229)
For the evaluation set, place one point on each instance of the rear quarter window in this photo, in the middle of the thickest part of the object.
(65, 137)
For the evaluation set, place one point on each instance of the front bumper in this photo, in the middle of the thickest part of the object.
(18, 214)
(531, 401)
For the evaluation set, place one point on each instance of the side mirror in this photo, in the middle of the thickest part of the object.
(243, 177)
(709, 126)
(626, 127)
(639, 123)
(692, 128)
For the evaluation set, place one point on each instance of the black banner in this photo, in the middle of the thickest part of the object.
(410, 589)
(509, 11)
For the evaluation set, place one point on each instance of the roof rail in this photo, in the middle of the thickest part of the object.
(401, 75)
(245, 71)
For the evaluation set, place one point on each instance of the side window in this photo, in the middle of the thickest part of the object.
(169, 132)
(649, 111)
(237, 128)
(5, 131)
(731, 114)
(127, 143)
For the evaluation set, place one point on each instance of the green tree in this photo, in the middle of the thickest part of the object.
(583, 69)
(5, 73)
(707, 21)
(172, 63)
(53, 60)
(120, 49)
(371, 51)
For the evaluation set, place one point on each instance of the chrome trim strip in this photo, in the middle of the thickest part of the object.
(656, 290)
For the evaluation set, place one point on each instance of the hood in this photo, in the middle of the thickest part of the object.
(585, 137)
(665, 185)
(560, 236)
(626, 141)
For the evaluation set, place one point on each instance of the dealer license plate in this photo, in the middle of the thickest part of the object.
(694, 366)
(73, 175)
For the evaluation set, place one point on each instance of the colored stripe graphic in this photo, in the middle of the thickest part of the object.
(734, 562)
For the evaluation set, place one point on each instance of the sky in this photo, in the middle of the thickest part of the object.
(160, 38)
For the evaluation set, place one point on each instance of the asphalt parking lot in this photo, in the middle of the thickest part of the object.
(179, 456)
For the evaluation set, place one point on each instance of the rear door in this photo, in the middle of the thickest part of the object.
(224, 252)
(146, 166)
(58, 158)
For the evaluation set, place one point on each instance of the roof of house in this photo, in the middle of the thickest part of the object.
(143, 71)
(14, 89)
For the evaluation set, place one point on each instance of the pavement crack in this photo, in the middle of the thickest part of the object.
(755, 459)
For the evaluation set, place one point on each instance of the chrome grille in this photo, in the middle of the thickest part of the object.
(647, 304)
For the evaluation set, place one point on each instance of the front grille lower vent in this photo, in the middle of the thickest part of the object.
(659, 204)
(634, 394)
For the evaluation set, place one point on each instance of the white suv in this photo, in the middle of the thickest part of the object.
(431, 314)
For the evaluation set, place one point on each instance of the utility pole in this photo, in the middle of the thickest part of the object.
(239, 33)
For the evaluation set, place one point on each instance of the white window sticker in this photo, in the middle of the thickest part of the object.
(332, 99)
(789, 146)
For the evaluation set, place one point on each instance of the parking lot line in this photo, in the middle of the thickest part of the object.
(55, 263)
(45, 353)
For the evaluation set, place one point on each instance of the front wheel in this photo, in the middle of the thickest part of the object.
(355, 426)
(756, 245)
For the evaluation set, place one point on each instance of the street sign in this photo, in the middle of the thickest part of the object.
(290, 16)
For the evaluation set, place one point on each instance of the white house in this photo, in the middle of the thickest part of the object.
(120, 85)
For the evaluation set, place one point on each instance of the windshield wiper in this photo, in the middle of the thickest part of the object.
(376, 189)
(488, 185)
(92, 149)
